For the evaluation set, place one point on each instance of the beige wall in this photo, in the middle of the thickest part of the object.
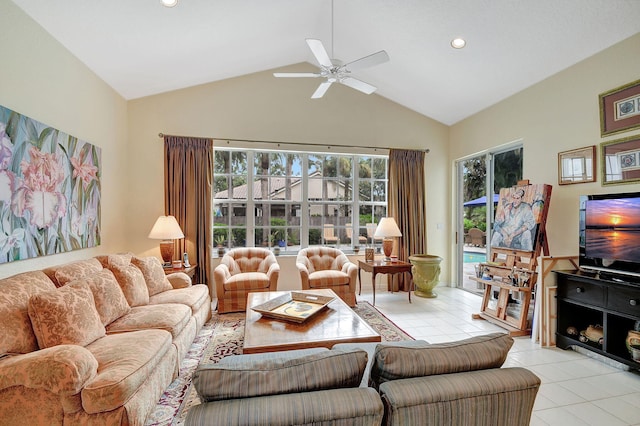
(261, 107)
(558, 114)
(40, 79)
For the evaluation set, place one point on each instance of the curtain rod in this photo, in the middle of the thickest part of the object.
(162, 135)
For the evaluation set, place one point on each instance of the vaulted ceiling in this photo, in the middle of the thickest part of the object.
(140, 47)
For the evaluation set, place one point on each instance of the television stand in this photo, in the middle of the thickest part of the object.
(585, 300)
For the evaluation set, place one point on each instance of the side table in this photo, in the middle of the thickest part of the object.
(382, 267)
(191, 270)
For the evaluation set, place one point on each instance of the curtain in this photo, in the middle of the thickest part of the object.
(188, 174)
(407, 205)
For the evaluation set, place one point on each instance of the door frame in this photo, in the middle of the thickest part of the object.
(458, 211)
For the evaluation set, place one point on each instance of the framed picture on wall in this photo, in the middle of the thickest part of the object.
(620, 109)
(577, 165)
(621, 161)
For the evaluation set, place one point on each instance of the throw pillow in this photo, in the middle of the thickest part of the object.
(132, 284)
(66, 315)
(153, 273)
(476, 353)
(323, 370)
(75, 270)
(16, 331)
(108, 296)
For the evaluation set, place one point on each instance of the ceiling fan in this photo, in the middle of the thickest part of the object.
(334, 71)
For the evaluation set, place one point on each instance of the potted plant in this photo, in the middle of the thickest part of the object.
(220, 243)
(273, 237)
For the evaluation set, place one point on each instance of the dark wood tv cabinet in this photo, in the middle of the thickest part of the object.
(585, 299)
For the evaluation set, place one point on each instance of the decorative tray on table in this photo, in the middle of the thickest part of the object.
(294, 306)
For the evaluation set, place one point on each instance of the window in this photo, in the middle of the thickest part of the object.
(296, 199)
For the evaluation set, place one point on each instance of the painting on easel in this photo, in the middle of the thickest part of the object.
(518, 217)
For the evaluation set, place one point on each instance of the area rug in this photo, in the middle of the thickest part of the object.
(223, 336)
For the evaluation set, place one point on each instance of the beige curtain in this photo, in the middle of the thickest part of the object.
(188, 174)
(407, 204)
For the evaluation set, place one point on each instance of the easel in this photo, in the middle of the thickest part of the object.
(500, 273)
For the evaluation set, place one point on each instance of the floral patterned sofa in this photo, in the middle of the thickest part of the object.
(95, 341)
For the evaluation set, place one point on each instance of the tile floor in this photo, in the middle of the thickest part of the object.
(576, 389)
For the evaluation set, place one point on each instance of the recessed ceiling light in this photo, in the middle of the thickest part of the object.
(458, 43)
(169, 3)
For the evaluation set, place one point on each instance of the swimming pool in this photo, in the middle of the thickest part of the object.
(473, 257)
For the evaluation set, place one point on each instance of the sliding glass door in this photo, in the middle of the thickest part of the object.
(480, 179)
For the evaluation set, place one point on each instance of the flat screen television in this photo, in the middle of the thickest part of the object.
(610, 233)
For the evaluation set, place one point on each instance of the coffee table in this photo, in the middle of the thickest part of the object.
(337, 323)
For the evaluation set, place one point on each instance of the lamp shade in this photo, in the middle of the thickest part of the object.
(387, 228)
(166, 228)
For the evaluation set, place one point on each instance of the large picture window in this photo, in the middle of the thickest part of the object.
(297, 199)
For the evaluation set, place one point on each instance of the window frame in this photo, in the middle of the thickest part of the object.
(355, 205)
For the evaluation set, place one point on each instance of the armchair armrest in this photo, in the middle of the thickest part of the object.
(179, 280)
(273, 273)
(221, 274)
(351, 269)
(62, 369)
(304, 274)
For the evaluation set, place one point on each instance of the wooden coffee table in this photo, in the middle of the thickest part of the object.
(337, 323)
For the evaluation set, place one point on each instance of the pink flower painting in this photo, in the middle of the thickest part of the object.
(39, 194)
(49, 190)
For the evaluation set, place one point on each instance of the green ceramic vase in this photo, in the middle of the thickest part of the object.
(426, 273)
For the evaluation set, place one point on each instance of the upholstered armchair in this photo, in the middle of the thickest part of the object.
(242, 271)
(328, 267)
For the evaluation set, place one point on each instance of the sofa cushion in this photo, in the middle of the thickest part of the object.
(323, 370)
(66, 315)
(153, 273)
(193, 297)
(63, 274)
(475, 353)
(172, 317)
(328, 278)
(107, 294)
(244, 280)
(16, 332)
(370, 347)
(126, 361)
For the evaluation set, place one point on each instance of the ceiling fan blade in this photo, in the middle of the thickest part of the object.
(354, 83)
(319, 52)
(295, 74)
(368, 61)
(320, 91)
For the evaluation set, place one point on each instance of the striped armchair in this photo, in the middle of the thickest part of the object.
(242, 271)
(327, 267)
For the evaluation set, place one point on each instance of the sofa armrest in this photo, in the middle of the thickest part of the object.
(499, 396)
(62, 369)
(353, 406)
(179, 280)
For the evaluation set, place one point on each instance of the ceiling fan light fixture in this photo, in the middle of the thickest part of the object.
(458, 43)
(169, 3)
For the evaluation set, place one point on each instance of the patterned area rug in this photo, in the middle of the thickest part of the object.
(223, 336)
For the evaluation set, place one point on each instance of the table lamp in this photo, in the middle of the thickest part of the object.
(166, 229)
(387, 230)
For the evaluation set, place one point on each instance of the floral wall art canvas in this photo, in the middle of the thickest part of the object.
(49, 190)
